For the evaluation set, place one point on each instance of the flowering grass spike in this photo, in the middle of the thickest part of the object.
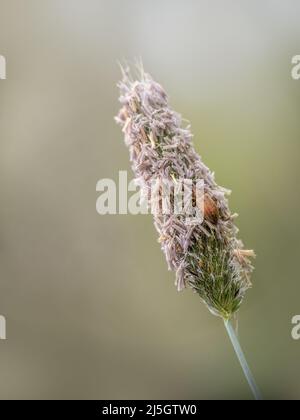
(207, 256)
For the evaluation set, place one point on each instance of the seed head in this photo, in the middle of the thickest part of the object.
(206, 255)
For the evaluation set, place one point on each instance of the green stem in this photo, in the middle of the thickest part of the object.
(242, 360)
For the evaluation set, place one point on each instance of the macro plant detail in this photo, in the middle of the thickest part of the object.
(206, 254)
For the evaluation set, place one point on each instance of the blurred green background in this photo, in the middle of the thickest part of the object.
(91, 310)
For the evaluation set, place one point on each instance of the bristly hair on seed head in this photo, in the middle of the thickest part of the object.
(206, 256)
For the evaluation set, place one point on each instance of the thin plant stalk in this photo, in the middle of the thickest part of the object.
(243, 362)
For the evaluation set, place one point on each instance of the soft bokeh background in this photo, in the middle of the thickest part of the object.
(91, 310)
